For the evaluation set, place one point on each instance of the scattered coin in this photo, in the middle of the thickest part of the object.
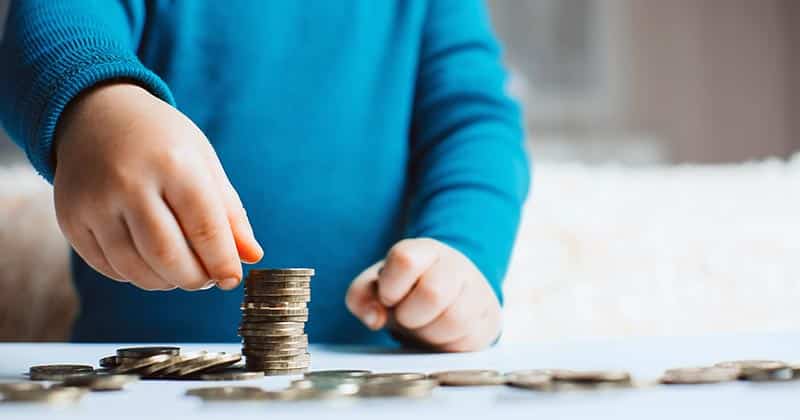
(591, 376)
(761, 370)
(19, 386)
(58, 372)
(338, 374)
(394, 377)
(53, 395)
(142, 352)
(97, 382)
(535, 379)
(469, 377)
(232, 374)
(700, 375)
(136, 364)
(109, 362)
(229, 393)
(413, 388)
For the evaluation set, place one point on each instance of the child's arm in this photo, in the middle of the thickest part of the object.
(139, 192)
(469, 180)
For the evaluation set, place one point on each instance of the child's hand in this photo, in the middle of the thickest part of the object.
(437, 296)
(142, 197)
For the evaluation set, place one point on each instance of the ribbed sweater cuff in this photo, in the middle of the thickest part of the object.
(61, 83)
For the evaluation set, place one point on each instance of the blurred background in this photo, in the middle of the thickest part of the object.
(643, 81)
(645, 218)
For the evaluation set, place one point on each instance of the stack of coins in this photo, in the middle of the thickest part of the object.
(274, 313)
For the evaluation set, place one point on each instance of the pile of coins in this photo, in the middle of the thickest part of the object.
(274, 312)
(168, 362)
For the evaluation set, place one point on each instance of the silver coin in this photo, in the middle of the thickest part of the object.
(142, 352)
(100, 382)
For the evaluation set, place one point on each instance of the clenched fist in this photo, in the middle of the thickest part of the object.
(142, 197)
(430, 293)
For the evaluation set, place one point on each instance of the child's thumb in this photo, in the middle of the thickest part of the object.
(362, 298)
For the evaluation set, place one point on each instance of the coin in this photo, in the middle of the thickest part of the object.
(19, 386)
(271, 357)
(109, 362)
(57, 372)
(142, 352)
(141, 363)
(324, 389)
(209, 362)
(394, 377)
(277, 318)
(470, 377)
(699, 375)
(53, 395)
(761, 370)
(232, 374)
(278, 372)
(414, 388)
(274, 351)
(291, 282)
(269, 333)
(280, 272)
(592, 376)
(277, 341)
(256, 301)
(97, 382)
(266, 308)
(171, 365)
(535, 379)
(338, 374)
(229, 393)
(277, 364)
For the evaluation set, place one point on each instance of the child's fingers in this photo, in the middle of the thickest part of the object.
(362, 300)
(85, 244)
(117, 245)
(156, 234)
(405, 263)
(486, 330)
(205, 225)
(249, 249)
(454, 323)
(434, 292)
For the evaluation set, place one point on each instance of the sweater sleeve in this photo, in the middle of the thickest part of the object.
(469, 171)
(52, 50)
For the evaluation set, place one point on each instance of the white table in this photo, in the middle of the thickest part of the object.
(645, 358)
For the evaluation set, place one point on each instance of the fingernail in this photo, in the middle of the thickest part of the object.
(371, 318)
(228, 283)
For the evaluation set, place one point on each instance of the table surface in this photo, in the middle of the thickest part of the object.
(645, 358)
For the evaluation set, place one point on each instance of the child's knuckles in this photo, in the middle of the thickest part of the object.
(402, 255)
(206, 230)
(431, 295)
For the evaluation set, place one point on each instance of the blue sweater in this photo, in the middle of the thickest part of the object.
(344, 125)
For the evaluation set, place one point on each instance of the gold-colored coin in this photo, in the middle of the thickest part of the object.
(211, 361)
(699, 375)
(270, 333)
(231, 374)
(278, 318)
(290, 283)
(229, 393)
(100, 382)
(257, 301)
(20, 386)
(171, 365)
(535, 379)
(141, 363)
(469, 377)
(395, 377)
(288, 341)
(280, 272)
(590, 376)
(338, 374)
(54, 395)
(415, 388)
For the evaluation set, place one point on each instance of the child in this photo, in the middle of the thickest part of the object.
(352, 132)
